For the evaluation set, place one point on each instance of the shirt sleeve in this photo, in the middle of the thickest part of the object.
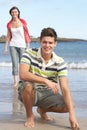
(26, 58)
(62, 69)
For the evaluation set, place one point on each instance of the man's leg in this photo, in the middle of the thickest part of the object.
(28, 98)
(51, 102)
(44, 116)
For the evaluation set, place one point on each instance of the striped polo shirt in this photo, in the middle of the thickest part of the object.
(54, 69)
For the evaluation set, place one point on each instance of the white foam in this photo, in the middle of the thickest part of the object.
(5, 64)
(71, 65)
(77, 65)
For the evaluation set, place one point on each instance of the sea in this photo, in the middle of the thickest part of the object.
(74, 54)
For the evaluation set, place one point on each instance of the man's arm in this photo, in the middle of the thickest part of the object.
(69, 103)
(28, 76)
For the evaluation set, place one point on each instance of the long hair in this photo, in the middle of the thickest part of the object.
(14, 7)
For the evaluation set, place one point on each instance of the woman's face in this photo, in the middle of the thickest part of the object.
(14, 13)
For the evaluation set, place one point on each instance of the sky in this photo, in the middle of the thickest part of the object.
(67, 17)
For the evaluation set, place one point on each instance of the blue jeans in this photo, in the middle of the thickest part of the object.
(16, 54)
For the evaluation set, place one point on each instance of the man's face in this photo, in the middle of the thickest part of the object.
(47, 44)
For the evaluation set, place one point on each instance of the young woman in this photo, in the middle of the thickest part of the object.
(17, 36)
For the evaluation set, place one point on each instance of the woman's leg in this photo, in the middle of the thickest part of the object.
(21, 51)
(15, 80)
(14, 58)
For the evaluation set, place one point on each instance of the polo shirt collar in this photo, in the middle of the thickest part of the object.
(54, 57)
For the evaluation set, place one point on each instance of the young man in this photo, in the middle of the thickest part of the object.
(42, 73)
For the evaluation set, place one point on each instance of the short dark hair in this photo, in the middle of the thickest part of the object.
(48, 32)
(14, 7)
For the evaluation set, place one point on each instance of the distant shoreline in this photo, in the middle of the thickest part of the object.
(2, 39)
(60, 39)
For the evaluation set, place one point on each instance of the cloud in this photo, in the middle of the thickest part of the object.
(11, 2)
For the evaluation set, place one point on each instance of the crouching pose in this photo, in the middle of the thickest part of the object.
(44, 81)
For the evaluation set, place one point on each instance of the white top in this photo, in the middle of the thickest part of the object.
(18, 39)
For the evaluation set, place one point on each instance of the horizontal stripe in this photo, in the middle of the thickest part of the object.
(43, 73)
(62, 69)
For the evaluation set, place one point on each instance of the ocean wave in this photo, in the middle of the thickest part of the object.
(71, 65)
(74, 65)
(5, 64)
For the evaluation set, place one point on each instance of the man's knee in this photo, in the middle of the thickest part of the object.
(28, 88)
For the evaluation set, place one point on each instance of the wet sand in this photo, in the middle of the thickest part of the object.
(13, 117)
(16, 122)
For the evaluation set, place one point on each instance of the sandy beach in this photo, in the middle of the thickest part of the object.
(13, 117)
(16, 122)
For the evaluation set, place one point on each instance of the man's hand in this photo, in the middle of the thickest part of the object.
(53, 86)
(73, 122)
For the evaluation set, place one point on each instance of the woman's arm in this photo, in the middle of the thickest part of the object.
(7, 41)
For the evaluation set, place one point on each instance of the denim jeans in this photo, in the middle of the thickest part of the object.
(16, 54)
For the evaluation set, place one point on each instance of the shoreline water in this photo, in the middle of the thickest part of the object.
(9, 102)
